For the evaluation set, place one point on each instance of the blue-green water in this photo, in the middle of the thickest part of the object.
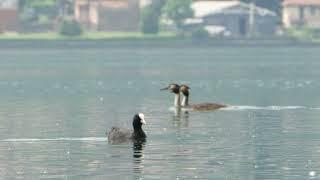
(56, 105)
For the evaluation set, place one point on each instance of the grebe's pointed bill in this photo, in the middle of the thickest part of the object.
(166, 88)
(172, 87)
(141, 116)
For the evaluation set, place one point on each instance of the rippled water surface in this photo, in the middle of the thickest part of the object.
(56, 105)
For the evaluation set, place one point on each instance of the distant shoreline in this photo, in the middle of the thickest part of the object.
(150, 42)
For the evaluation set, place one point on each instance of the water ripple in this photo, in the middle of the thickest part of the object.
(271, 108)
(96, 139)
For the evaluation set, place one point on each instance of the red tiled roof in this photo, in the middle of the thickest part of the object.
(301, 2)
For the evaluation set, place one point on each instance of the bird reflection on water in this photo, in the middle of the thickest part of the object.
(180, 118)
(138, 146)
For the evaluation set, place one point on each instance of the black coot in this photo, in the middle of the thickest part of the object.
(119, 135)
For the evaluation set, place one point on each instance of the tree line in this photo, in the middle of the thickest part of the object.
(43, 11)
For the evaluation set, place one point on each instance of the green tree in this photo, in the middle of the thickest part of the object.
(178, 11)
(44, 7)
(70, 28)
(149, 21)
(151, 16)
(37, 10)
(43, 15)
(65, 7)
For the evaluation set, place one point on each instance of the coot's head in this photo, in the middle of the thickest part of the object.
(138, 121)
(174, 88)
(184, 89)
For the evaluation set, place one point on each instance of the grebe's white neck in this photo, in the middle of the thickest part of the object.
(185, 101)
(177, 100)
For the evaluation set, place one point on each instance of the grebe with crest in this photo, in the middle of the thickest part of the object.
(184, 89)
(175, 89)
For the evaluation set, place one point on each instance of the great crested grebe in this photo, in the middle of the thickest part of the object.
(175, 89)
(118, 135)
(184, 89)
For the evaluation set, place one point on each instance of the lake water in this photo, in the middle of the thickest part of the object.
(56, 105)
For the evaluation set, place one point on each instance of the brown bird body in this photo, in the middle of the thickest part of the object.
(204, 107)
(184, 89)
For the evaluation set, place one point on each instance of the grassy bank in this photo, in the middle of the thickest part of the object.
(85, 36)
(299, 34)
(305, 34)
(135, 39)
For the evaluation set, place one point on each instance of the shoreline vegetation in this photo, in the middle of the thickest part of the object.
(305, 34)
(163, 39)
(84, 36)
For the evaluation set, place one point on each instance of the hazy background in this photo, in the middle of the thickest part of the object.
(70, 70)
(105, 19)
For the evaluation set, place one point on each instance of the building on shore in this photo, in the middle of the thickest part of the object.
(297, 13)
(108, 15)
(9, 21)
(235, 18)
